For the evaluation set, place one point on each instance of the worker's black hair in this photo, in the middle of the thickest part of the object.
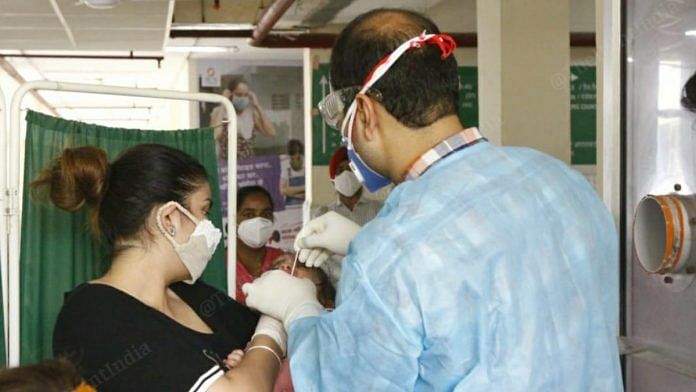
(420, 88)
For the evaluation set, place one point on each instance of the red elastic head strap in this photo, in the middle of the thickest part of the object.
(445, 42)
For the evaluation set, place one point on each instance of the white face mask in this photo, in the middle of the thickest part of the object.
(198, 250)
(255, 232)
(347, 183)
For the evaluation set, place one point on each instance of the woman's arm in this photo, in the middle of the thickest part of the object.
(291, 191)
(261, 121)
(216, 119)
(256, 372)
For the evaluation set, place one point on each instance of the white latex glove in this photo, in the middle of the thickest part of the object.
(283, 296)
(313, 257)
(273, 329)
(328, 234)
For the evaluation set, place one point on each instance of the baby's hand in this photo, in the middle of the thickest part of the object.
(234, 358)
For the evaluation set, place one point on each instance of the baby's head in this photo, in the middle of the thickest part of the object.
(326, 293)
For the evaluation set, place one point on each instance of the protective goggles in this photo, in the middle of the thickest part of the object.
(333, 107)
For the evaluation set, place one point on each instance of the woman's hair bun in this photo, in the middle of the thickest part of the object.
(77, 177)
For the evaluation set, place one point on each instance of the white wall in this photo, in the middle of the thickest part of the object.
(460, 15)
(454, 15)
(582, 16)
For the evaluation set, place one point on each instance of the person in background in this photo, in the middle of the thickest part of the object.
(350, 204)
(149, 323)
(292, 174)
(251, 119)
(254, 230)
(53, 375)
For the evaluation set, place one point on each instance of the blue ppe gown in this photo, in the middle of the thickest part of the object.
(496, 270)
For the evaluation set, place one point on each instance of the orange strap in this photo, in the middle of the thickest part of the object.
(670, 232)
(681, 233)
(84, 387)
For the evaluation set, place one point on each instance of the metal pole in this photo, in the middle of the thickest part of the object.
(4, 219)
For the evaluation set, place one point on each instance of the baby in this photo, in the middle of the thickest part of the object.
(326, 295)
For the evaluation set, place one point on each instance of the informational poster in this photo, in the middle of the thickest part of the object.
(583, 115)
(468, 96)
(263, 171)
(268, 101)
(211, 78)
(325, 139)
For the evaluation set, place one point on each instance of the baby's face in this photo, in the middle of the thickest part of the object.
(301, 271)
(284, 263)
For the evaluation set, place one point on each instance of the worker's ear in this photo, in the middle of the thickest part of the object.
(171, 219)
(366, 118)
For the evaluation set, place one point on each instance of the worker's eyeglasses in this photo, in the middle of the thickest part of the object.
(333, 107)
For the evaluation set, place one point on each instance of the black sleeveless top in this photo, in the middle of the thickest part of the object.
(120, 344)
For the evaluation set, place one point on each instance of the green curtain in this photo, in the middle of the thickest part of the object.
(58, 252)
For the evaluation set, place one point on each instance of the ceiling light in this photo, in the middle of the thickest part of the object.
(691, 33)
(203, 49)
(100, 4)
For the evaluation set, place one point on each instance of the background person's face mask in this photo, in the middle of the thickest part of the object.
(198, 250)
(347, 183)
(255, 232)
(296, 163)
(240, 103)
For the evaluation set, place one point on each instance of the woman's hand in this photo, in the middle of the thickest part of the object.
(253, 100)
(261, 121)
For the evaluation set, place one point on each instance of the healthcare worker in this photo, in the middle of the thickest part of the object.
(488, 268)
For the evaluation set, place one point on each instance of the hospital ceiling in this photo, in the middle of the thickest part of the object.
(301, 14)
(145, 27)
(138, 25)
(142, 25)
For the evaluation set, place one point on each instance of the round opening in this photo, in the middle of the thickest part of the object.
(649, 234)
